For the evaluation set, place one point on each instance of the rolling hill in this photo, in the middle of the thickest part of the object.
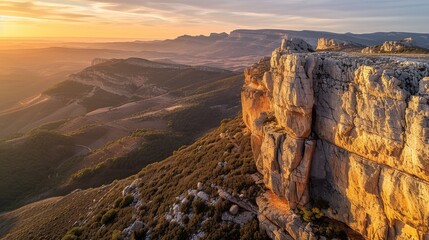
(110, 120)
(208, 189)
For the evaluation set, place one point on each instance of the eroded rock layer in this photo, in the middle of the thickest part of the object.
(346, 129)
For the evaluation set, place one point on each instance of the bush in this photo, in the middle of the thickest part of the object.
(317, 213)
(127, 201)
(117, 235)
(310, 215)
(222, 205)
(73, 234)
(118, 202)
(198, 206)
(76, 231)
(69, 237)
(109, 216)
(251, 231)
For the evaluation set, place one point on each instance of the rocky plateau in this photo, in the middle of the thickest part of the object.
(406, 45)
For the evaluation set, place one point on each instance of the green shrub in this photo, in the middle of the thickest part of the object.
(118, 202)
(76, 231)
(223, 124)
(251, 231)
(117, 235)
(317, 213)
(69, 237)
(109, 216)
(198, 206)
(122, 202)
(127, 201)
(222, 205)
(310, 215)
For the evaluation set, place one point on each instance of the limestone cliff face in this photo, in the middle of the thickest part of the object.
(349, 130)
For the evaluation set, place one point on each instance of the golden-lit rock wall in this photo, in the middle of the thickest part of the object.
(348, 129)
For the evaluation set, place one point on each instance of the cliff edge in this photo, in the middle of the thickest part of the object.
(345, 130)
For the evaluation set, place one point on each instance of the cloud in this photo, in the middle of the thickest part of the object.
(328, 15)
(345, 15)
(42, 11)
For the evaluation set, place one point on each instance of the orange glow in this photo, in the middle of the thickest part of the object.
(97, 30)
(93, 20)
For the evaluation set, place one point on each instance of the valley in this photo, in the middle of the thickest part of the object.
(114, 126)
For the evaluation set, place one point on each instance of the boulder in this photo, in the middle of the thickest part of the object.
(204, 196)
(234, 209)
(200, 186)
(295, 45)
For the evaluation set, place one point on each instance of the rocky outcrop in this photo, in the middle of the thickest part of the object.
(96, 61)
(345, 129)
(330, 44)
(295, 45)
(405, 45)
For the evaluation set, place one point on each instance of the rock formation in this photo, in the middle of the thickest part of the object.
(405, 45)
(346, 129)
(330, 44)
(96, 61)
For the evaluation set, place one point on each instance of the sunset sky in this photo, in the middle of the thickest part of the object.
(158, 19)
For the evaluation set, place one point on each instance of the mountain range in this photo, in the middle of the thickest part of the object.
(40, 68)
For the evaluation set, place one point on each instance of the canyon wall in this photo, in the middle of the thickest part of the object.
(345, 129)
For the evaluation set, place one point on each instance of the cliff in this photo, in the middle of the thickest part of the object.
(345, 130)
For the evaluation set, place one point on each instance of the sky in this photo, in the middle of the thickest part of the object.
(160, 19)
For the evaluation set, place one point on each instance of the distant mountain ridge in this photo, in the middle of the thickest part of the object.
(421, 39)
(267, 36)
(242, 47)
(234, 51)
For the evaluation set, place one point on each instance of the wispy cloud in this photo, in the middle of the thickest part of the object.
(195, 15)
(43, 10)
(345, 15)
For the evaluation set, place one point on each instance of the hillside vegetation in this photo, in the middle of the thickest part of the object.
(193, 181)
(32, 166)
